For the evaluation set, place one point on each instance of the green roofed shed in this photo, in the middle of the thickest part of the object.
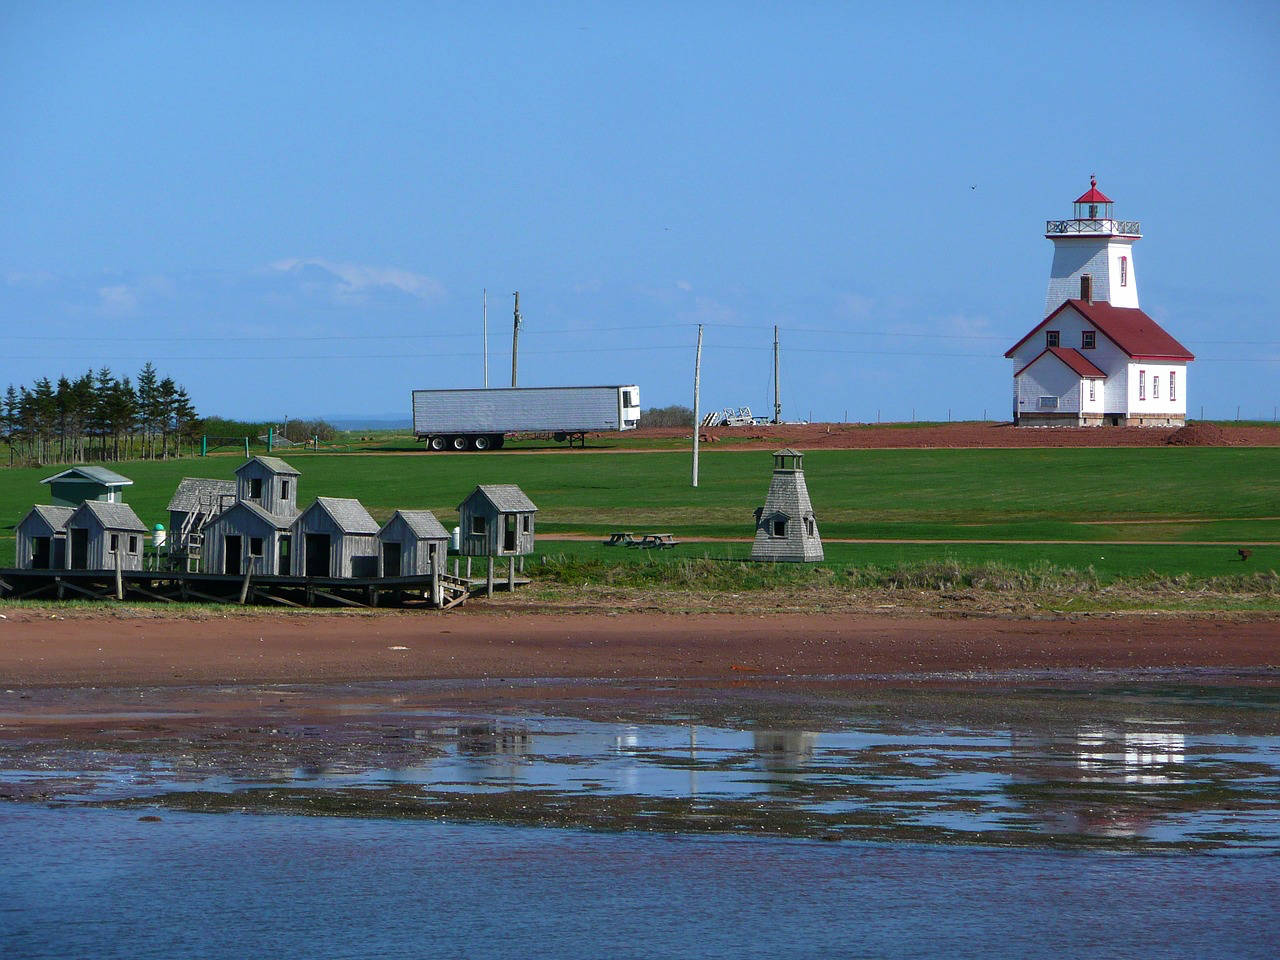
(78, 485)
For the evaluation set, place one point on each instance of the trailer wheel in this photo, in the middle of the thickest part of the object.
(498, 440)
(561, 437)
(480, 443)
(436, 443)
(458, 443)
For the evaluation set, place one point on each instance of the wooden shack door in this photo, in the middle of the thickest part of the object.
(391, 560)
(509, 535)
(41, 554)
(317, 554)
(79, 548)
(231, 555)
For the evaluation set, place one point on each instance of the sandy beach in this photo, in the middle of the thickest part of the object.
(40, 649)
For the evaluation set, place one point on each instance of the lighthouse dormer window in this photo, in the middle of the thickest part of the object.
(1052, 338)
(1088, 340)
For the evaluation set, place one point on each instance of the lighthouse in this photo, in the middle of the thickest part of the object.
(1092, 254)
(1096, 359)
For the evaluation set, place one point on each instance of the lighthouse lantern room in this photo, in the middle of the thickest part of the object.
(1093, 254)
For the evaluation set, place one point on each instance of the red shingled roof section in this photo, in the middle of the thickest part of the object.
(1074, 359)
(1094, 195)
(1127, 327)
(1077, 361)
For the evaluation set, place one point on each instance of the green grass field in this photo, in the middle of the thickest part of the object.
(1228, 496)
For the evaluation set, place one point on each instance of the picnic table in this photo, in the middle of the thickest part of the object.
(623, 538)
(655, 541)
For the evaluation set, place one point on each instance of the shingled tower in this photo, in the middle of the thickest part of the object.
(786, 528)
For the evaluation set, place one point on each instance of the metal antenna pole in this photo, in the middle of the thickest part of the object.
(486, 338)
(697, 403)
(777, 401)
(515, 339)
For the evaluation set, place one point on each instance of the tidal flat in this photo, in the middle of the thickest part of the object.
(1154, 760)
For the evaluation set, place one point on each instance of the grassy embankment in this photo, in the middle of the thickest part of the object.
(1191, 508)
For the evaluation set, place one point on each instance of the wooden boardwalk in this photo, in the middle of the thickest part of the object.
(167, 586)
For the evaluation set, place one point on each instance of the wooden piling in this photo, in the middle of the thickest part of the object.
(488, 589)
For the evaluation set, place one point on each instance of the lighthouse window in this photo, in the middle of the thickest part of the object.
(779, 528)
(1155, 388)
(1086, 287)
(1173, 385)
(1052, 338)
(1091, 389)
(1088, 340)
(1142, 384)
(1124, 271)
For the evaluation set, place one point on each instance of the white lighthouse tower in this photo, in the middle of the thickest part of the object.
(1096, 359)
(1092, 254)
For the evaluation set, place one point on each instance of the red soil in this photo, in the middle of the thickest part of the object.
(289, 648)
(857, 436)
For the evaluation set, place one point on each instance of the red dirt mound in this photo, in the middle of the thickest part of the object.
(1198, 435)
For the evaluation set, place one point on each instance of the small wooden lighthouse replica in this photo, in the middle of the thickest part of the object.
(786, 529)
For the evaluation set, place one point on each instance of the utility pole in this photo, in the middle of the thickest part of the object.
(777, 401)
(515, 340)
(486, 338)
(697, 403)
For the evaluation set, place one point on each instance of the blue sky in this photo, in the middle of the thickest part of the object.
(293, 208)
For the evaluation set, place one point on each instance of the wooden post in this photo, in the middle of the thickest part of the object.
(515, 339)
(436, 599)
(468, 568)
(697, 405)
(777, 401)
(511, 575)
(244, 584)
(489, 581)
(119, 577)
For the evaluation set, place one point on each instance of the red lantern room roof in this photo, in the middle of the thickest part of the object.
(1094, 195)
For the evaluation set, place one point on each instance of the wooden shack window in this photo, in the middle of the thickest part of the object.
(133, 544)
(284, 489)
(477, 524)
(779, 528)
(255, 546)
(115, 542)
(526, 523)
(255, 488)
(1052, 338)
(808, 525)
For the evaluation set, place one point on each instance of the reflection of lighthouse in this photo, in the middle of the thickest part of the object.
(784, 753)
(1079, 765)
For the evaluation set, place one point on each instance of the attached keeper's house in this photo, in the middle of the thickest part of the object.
(1096, 359)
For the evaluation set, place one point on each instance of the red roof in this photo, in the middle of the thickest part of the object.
(1127, 327)
(1074, 359)
(1094, 195)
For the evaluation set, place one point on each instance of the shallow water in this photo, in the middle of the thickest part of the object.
(99, 883)
(1145, 768)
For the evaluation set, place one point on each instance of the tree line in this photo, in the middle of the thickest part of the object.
(97, 416)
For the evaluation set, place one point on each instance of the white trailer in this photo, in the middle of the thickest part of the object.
(480, 419)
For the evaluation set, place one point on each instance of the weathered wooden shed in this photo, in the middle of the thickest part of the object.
(413, 542)
(100, 534)
(42, 538)
(786, 528)
(336, 537)
(72, 487)
(497, 520)
(196, 501)
(244, 537)
(270, 483)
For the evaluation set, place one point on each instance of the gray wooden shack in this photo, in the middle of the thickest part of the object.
(72, 487)
(42, 538)
(335, 537)
(413, 543)
(100, 534)
(244, 538)
(196, 501)
(270, 483)
(786, 528)
(497, 520)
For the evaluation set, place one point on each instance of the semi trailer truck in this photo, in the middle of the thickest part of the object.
(480, 419)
